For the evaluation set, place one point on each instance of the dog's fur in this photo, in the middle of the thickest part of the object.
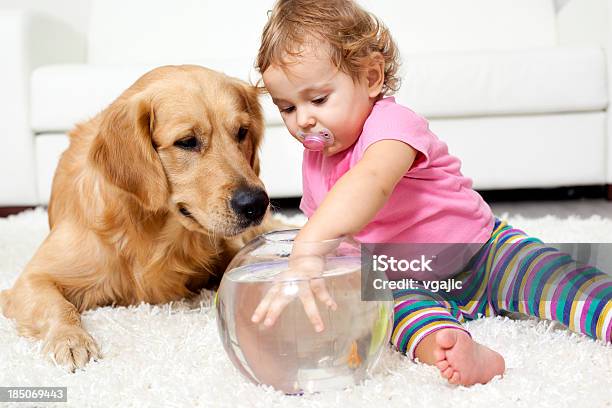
(138, 211)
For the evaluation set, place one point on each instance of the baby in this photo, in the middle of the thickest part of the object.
(373, 170)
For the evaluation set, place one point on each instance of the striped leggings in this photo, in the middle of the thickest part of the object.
(511, 273)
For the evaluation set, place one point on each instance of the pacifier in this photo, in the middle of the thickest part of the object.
(316, 141)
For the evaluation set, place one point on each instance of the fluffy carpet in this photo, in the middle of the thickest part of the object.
(170, 355)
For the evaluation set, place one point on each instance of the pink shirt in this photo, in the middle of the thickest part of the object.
(432, 203)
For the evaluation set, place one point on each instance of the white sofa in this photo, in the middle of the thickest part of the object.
(520, 110)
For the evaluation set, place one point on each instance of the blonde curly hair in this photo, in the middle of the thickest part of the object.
(352, 34)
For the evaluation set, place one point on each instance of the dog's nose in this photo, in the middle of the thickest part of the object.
(250, 203)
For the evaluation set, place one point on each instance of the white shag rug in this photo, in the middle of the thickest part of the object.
(171, 355)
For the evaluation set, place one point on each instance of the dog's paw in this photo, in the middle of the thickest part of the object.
(71, 347)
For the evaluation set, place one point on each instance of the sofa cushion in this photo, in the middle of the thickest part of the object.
(63, 95)
(456, 84)
(531, 81)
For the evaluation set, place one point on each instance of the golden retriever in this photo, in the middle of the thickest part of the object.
(149, 203)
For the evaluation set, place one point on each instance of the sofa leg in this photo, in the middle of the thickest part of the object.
(609, 192)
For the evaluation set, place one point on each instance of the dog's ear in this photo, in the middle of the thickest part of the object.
(250, 95)
(123, 151)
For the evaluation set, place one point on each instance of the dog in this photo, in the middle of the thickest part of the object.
(150, 202)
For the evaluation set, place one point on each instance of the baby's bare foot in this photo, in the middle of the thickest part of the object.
(463, 361)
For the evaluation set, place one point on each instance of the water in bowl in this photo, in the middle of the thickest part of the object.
(290, 355)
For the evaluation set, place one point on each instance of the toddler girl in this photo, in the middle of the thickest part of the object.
(373, 170)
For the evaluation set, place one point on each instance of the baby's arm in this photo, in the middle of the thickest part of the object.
(351, 204)
(360, 193)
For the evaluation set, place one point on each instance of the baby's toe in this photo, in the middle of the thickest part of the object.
(442, 365)
(448, 373)
(455, 378)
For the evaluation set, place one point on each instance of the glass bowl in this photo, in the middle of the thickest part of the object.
(290, 355)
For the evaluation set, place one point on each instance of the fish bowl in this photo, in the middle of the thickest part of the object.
(290, 355)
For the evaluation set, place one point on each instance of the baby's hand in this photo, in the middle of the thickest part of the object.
(303, 278)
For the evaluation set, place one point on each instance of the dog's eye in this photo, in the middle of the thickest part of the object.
(242, 133)
(188, 143)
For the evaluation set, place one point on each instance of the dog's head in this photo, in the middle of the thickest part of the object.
(184, 139)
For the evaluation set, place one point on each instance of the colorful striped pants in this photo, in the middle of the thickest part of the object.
(511, 273)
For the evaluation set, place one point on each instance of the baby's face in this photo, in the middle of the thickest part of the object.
(312, 94)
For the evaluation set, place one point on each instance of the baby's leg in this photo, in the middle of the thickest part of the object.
(428, 328)
(531, 278)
